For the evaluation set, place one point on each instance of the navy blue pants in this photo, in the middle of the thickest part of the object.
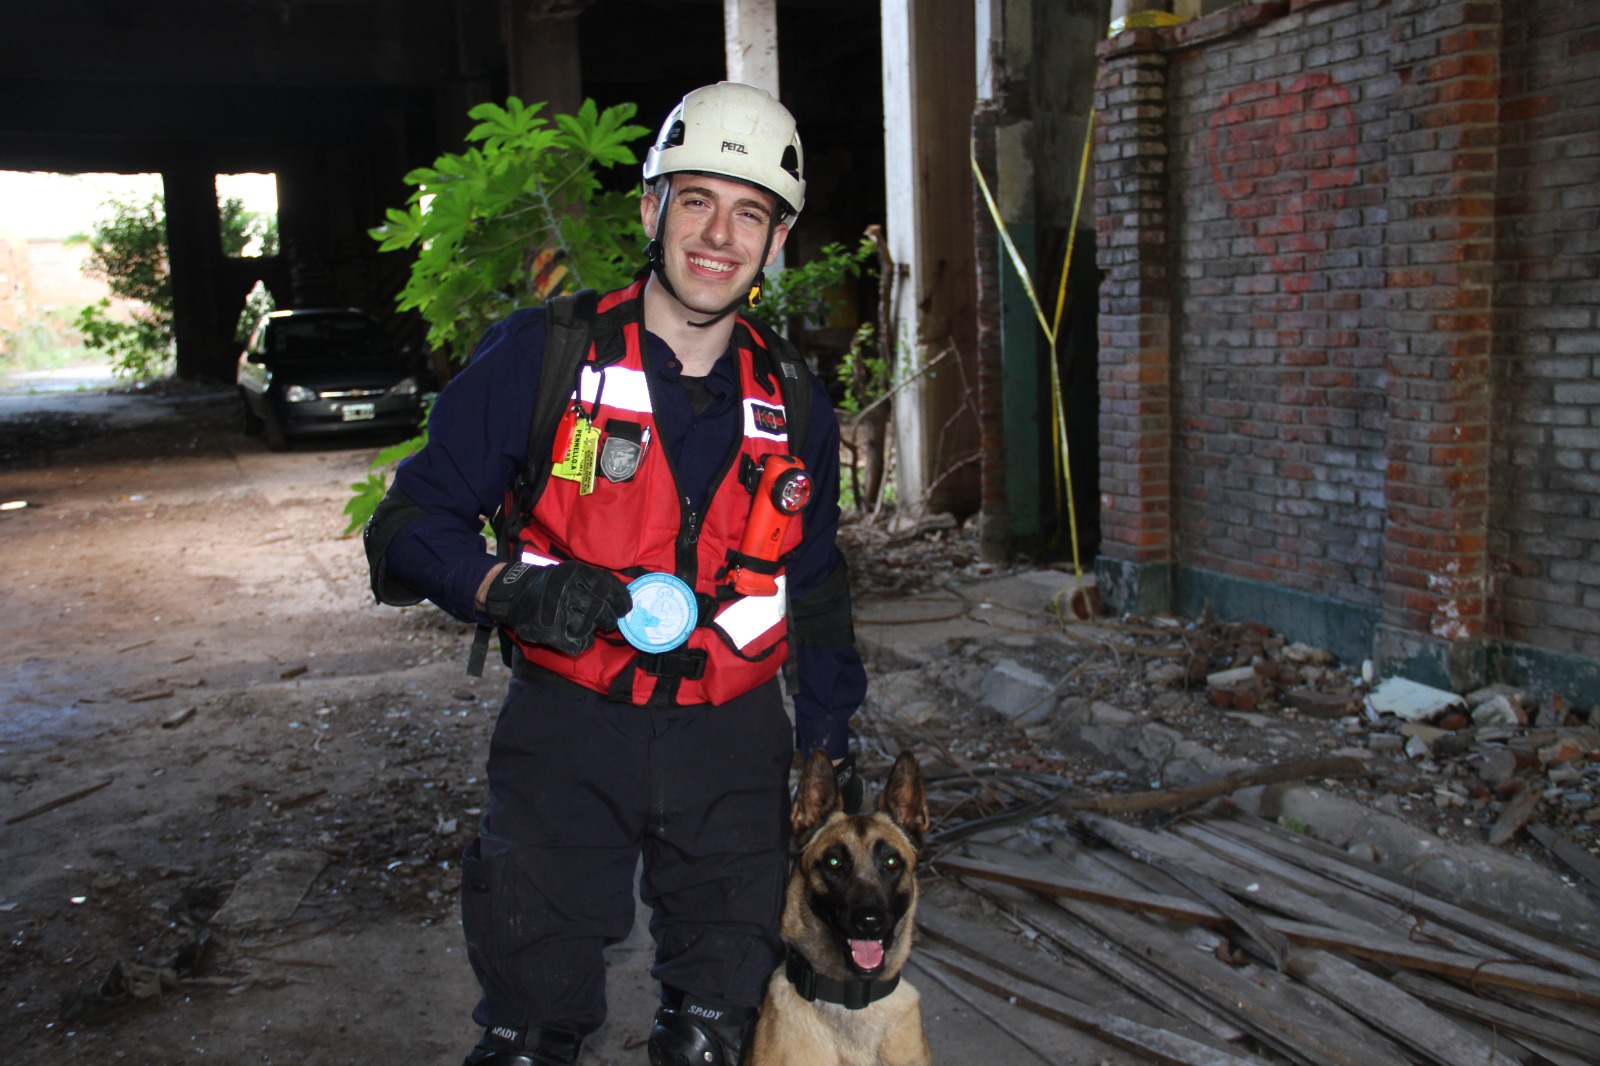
(579, 787)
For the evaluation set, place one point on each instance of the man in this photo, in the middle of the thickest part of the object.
(606, 747)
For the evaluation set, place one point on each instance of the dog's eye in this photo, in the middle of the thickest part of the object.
(833, 862)
(892, 862)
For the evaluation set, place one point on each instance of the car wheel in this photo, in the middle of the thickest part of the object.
(249, 421)
(272, 430)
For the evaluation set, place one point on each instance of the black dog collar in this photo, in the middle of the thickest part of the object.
(854, 995)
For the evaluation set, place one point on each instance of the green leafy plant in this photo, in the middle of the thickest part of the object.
(128, 251)
(367, 492)
(519, 216)
(808, 291)
(526, 200)
(863, 371)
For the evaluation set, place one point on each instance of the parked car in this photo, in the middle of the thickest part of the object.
(326, 370)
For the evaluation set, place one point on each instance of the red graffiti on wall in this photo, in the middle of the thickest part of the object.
(1284, 157)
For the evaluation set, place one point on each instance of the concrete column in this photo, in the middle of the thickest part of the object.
(928, 98)
(194, 254)
(542, 57)
(750, 35)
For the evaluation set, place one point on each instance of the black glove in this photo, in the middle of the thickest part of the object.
(849, 782)
(560, 605)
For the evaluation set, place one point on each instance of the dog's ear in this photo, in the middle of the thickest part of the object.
(817, 797)
(904, 798)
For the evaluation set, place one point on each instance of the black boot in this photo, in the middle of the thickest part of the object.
(690, 1031)
(539, 1046)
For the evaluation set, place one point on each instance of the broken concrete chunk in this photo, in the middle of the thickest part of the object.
(1410, 700)
(1166, 674)
(1386, 744)
(1496, 710)
(905, 696)
(1238, 677)
(1496, 765)
(1012, 689)
(1480, 696)
(1305, 654)
(273, 888)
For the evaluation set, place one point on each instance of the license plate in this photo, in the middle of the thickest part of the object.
(357, 412)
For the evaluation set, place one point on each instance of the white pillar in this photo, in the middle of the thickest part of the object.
(750, 36)
(929, 90)
(750, 39)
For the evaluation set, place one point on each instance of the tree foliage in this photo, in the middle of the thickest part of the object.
(518, 216)
(807, 291)
(128, 251)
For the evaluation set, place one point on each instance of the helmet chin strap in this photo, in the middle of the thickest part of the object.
(656, 262)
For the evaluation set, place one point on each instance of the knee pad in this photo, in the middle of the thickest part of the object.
(697, 1033)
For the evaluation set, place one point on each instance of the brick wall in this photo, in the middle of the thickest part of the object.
(1135, 369)
(1278, 148)
(1349, 329)
(1545, 536)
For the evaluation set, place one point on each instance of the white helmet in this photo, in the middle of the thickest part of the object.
(735, 131)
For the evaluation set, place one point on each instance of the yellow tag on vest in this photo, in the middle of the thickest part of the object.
(579, 462)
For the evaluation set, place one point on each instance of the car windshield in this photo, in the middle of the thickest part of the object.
(325, 338)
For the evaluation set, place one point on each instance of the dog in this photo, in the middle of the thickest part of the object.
(847, 921)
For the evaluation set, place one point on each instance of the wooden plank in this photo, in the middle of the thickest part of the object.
(1155, 852)
(1573, 857)
(1584, 1018)
(1033, 962)
(1124, 967)
(1273, 1008)
(1334, 897)
(1378, 914)
(1476, 969)
(1406, 1019)
(1277, 889)
(1364, 878)
(1568, 1038)
(59, 801)
(1159, 1045)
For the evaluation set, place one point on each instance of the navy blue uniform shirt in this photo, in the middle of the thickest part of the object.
(477, 445)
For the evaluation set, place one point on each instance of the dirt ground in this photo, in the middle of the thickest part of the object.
(202, 706)
(187, 634)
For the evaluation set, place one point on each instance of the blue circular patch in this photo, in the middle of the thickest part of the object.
(664, 613)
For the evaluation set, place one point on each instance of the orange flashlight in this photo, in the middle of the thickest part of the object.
(781, 493)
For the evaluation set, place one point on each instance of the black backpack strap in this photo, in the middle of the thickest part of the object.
(794, 381)
(569, 324)
(569, 320)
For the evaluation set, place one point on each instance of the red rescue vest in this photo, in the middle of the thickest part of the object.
(639, 522)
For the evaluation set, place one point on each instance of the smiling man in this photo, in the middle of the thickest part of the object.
(663, 551)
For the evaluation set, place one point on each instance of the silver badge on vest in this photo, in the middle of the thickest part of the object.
(623, 449)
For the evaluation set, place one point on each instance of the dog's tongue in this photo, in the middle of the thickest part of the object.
(867, 954)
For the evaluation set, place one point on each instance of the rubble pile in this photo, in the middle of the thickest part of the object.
(1040, 692)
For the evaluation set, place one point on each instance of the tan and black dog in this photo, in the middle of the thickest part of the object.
(847, 919)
